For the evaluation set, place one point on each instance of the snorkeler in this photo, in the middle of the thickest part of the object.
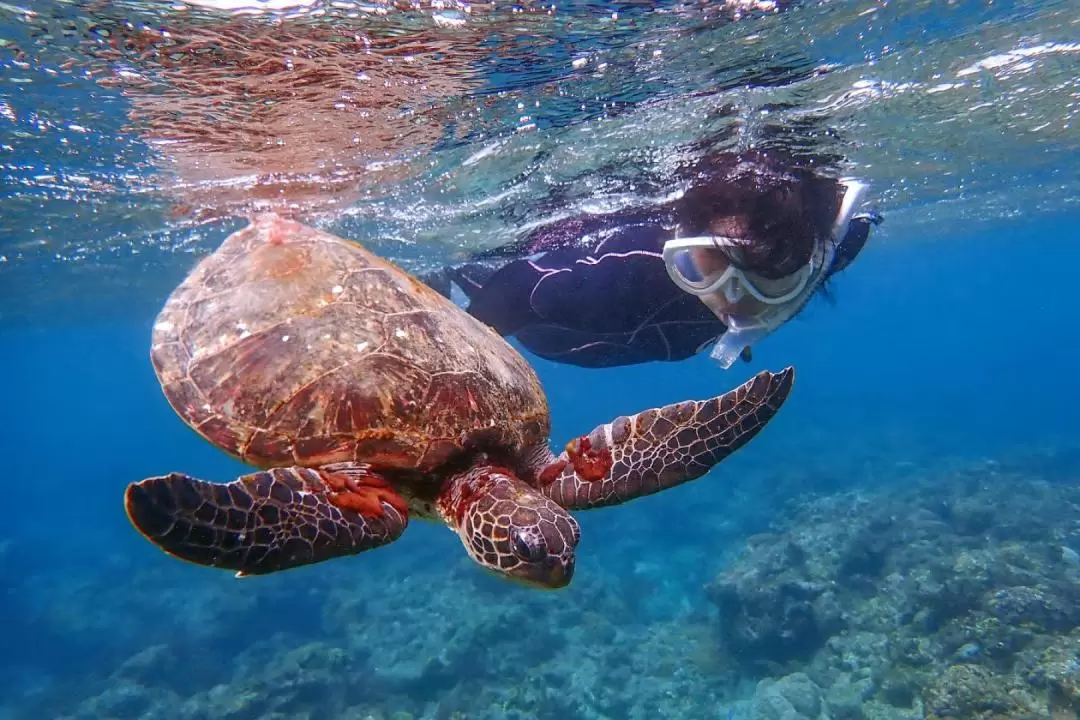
(740, 253)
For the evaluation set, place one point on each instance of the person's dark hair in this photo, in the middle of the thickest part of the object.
(775, 210)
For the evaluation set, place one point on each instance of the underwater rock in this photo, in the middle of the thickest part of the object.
(846, 698)
(801, 692)
(792, 697)
(767, 605)
(1030, 606)
(1056, 669)
(788, 593)
(952, 594)
(970, 691)
(851, 659)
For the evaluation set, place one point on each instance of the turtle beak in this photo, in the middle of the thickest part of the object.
(560, 574)
(551, 575)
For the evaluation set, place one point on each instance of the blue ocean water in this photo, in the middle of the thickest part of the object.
(900, 542)
(954, 349)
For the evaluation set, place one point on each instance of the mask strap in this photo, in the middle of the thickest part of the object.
(852, 196)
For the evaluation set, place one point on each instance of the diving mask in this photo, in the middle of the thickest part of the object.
(686, 260)
(685, 263)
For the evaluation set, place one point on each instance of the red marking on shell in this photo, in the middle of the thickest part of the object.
(452, 395)
(324, 450)
(219, 432)
(437, 453)
(168, 358)
(268, 448)
(355, 411)
(189, 403)
(388, 448)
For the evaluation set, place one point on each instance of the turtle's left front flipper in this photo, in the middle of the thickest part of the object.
(267, 521)
(662, 447)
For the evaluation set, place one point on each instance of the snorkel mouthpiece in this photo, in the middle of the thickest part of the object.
(732, 343)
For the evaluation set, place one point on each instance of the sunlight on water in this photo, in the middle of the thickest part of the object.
(451, 126)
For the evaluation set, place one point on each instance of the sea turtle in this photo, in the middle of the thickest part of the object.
(367, 398)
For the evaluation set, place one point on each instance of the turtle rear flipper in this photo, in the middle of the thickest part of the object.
(267, 521)
(662, 447)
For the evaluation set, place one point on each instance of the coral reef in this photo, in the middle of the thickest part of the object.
(442, 641)
(958, 597)
(953, 596)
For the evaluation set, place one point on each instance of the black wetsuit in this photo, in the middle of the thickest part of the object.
(593, 291)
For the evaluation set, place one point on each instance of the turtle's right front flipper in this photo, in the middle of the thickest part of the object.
(662, 447)
(267, 521)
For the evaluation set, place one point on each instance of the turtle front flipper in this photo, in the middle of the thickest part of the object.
(661, 447)
(267, 521)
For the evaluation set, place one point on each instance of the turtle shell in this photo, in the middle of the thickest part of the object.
(291, 346)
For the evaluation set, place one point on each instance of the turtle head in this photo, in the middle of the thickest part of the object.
(510, 528)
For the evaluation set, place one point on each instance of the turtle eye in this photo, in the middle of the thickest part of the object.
(528, 547)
